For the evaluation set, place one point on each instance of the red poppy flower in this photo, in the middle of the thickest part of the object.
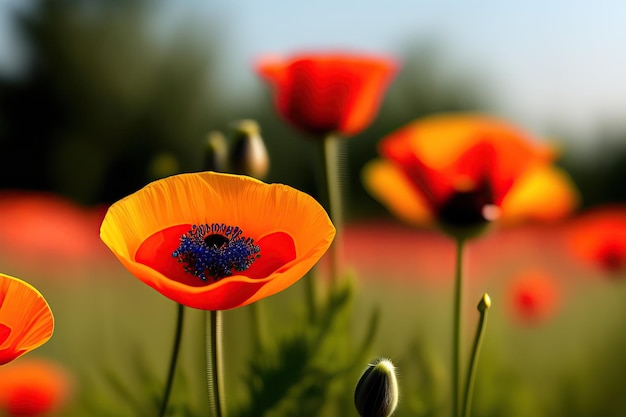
(29, 220)
(217, 241)
(26, 321)
(325, 93)
(534, 296)
(33, 387)
(599, 237)
(465, 170)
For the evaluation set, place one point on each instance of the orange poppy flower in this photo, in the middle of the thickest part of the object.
(26, 321)
(599, 237)
(323, 93)
(464, 170)
(533, 297)
(217, 241)
(33, 387)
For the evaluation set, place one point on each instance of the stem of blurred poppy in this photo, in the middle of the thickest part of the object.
(173, 360)
(215, 376)
(258, 325)
(456, 328)
(483, 306)
(332, 170)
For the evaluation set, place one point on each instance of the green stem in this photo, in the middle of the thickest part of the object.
(483, 306)
(332, 171)
(456, 339)
(215, 376)
(258, 326)
(173, 359)
(311, 297)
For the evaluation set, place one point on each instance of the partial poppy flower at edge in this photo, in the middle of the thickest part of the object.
(217, 241)
(598, 237)
(328, 93)
(26, 321)
(34, 387)
(466, 170)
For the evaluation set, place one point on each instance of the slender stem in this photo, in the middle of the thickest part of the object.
(215, 375)
(483, 306)
(456, 339)
(258, 325)
(332, 171)
(173, 359)
(311, 297)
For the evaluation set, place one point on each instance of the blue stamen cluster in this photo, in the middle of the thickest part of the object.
(215, 251)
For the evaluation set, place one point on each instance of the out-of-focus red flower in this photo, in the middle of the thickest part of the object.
(26, 321)
(323, 93)
(463, 171)
(598, 236)
(47, 230)
(33, 387)
(533, 296)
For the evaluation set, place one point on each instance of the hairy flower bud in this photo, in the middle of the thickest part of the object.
(215, 152)
(376, 393)
(248, 155)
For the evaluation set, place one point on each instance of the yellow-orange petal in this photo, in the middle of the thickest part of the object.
(26, 321)
(544, 193)
(259, 209)
(34, 387)
(390, 186)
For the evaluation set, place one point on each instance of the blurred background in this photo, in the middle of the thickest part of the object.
(99, 97)
(93, 94)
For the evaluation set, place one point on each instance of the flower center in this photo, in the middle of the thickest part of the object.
(215, 251)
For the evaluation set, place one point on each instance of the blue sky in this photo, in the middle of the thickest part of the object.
(547, 61)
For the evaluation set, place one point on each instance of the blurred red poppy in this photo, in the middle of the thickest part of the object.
(463, 171)
(217, 241)
(48, 231)
(533, 296)
(33, 387)
(324, 93)
(26, 321)
(598, 236)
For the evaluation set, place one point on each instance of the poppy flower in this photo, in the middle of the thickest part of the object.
(533, 296)
(33, 387)
(26, 321)
(217, 241)
(599, 237)
(27, 216)
(324, 93)
(463, 171)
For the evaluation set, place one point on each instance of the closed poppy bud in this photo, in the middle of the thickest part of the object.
(248, 154)
(215, 152)
(376, 393)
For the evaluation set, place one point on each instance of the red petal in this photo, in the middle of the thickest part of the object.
(277, 249)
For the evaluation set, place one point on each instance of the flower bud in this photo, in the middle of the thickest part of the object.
(215, 153)
(376, 393)
(248, 155)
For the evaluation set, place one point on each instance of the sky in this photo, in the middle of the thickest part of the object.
(548, 62)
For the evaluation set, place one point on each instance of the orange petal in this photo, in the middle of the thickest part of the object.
(259, 209)
(390, 186)
(25, 312)
(543, 193)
